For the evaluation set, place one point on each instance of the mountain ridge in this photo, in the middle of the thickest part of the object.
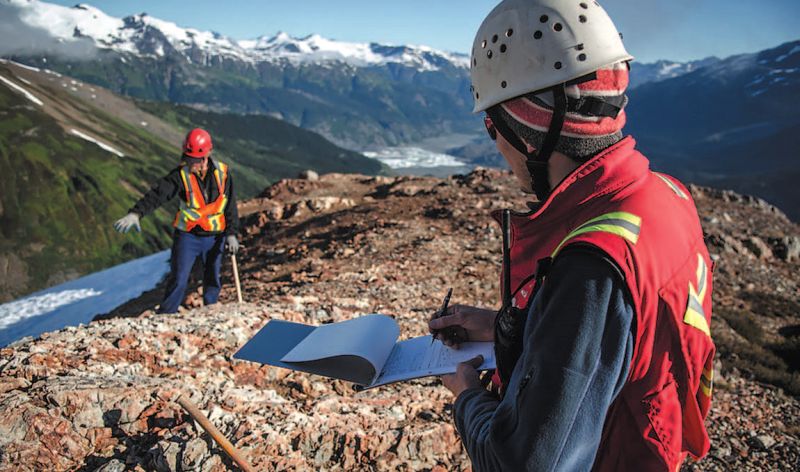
(726, 122)
(145, 35)
(358, 95)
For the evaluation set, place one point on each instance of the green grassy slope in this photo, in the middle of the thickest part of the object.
(61, 193)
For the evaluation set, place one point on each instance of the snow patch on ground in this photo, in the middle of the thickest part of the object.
(80, 300)
(35, 69)
(21, 90)
(402, 157)
(102, 145)
(16, 311)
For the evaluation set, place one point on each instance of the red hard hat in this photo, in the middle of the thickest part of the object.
(197, 144)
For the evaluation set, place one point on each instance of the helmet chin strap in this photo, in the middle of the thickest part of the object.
(537, 161)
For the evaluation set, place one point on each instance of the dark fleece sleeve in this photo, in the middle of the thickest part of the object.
(164, 190)
(231, 212)
(577, 348)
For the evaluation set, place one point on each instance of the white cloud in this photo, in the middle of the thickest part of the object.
(21, 38)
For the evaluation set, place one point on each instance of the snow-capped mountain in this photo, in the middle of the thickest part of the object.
(728, 96)
(147, 36)
(642, 73)
(315, 48)
(732, 123)
(359, 95)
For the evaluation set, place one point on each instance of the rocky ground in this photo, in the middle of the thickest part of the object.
(101, 397)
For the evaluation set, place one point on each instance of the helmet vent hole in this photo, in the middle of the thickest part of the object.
(477, 95)
(537, 35)
(503, 48)
(557, 27)
(557, 65)
(509, 32)
(494, 39)
(579, 47)
(581, 57)
(474, 62)
(582, 18)
(503, 84)
(489, 54)
(584, 6)
(483, 44)
(544, 18)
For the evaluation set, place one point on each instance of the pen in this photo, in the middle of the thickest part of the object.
(441, 312)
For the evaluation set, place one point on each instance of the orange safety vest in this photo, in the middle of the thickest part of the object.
(194, 211)
(647, 224)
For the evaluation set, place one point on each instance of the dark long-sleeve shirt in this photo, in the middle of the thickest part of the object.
(169, 186)
(577, 349)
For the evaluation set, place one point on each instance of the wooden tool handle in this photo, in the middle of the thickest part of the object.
(236, 278)
(216, 435)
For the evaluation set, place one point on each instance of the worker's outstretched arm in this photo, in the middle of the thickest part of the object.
(577, 349)
(164, 190)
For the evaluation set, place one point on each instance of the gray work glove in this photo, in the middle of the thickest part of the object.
(232, 244)
(124, 224)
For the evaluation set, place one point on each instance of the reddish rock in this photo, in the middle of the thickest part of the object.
(330, 250)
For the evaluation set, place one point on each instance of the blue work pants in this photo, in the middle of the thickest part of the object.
(186, 248)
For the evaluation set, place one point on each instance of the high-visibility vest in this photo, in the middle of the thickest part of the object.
(194, 211)
(647, 224)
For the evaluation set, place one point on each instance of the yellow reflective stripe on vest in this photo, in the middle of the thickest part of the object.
(702, 277)
(193, 207)
(191, 214)
(621, 223)
(221, 181)
(186, 211)
(695, 315)
(216, 218)
(672, 186)
(707, 381)
(193, 200)
(186, 185)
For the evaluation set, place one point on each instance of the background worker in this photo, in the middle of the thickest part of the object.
(206, 223)
(603, 344)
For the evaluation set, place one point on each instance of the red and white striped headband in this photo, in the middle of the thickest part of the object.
(535, 113)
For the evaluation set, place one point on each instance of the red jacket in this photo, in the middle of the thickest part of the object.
(647, 224)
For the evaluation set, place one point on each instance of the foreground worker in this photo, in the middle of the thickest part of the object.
(206, 223)
(603, 343)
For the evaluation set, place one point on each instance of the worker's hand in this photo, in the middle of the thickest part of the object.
(464, 323)
(466, 376)
(124, 224)
(232, 244)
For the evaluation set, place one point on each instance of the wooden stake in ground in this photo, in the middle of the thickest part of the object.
(236, 277)
(212, 430)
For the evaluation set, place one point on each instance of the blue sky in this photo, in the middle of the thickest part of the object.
(653, 29)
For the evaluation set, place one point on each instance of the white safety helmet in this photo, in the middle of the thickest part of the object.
(526, 46)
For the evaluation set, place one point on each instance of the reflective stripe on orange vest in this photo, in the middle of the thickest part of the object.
(193, 209)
